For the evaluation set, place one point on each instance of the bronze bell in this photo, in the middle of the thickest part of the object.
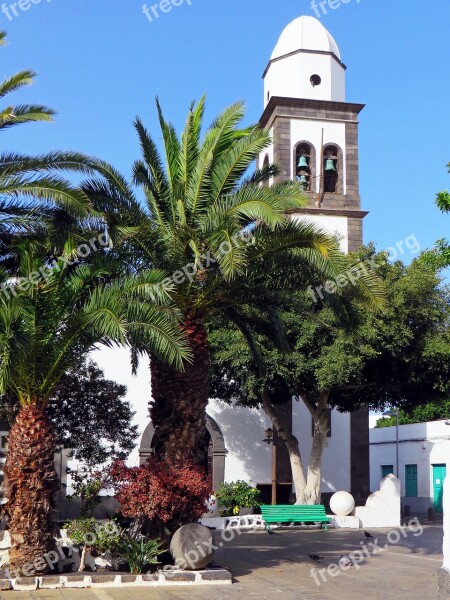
(302, 162)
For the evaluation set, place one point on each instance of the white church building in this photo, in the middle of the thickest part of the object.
(314, 134)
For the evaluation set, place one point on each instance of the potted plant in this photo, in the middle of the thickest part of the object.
(237, 496)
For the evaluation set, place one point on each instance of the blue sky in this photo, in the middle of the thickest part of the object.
(101, 62)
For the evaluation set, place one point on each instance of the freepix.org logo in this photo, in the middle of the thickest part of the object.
(13, 10)
(320, 7)
(163, 7)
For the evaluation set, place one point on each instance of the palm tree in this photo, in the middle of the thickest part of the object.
(24, 113)
(46, 325)
(31, 185)
(218, 235)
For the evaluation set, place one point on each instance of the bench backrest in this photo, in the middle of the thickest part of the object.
(293, 510)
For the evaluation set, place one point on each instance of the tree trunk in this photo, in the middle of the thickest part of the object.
(312, 493)
(30, 481)
(82, 559)
(298, 476)
(178, 409)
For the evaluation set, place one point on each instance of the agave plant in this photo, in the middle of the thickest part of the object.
(139, 554)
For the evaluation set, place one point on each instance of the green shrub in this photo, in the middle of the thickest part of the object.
(139, 553)
(236, 495)
(90, 534)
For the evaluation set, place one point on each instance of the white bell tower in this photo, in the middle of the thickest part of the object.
(314, 129)
(315, 142)
(305, 63)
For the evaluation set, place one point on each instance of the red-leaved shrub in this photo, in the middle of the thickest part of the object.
(168, 495)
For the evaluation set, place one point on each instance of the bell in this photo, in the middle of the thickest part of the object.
(329, 165)
(303, 180)
(302, 162)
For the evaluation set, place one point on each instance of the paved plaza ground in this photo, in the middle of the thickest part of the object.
(267, 567)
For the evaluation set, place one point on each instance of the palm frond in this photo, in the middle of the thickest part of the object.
(16, 115)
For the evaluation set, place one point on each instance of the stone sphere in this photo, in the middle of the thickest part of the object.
(191, 547)
(342, 503)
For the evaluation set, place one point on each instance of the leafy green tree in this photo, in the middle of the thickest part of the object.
(45, 326)
(86, 488)
(432, 411)
(346, 360)
(90, 416)
(443, 198)
(219, 235)
(440, 255)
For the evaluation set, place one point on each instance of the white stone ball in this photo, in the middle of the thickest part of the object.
(342, 503)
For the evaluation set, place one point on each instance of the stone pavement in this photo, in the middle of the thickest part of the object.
(277, 566)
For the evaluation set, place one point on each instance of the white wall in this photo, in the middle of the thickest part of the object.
(115, 362)
(249, 458)
(424, 444)
(334, 226)
(289, 77)
(311, 131)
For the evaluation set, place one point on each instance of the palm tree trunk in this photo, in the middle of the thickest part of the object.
(179, 403)
(30, 481)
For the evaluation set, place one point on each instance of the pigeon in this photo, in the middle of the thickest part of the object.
(344, 561)
(316, 557)
(368, 535)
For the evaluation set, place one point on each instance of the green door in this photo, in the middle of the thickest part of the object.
(411, 481)
(439, 473)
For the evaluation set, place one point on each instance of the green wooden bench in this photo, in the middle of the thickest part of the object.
(294, 513)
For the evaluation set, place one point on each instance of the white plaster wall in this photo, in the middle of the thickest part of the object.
(290, 76)
(335, 226)
(424, 444)
(115, 362)
(249, 458)
(336, 457)
(311, 131)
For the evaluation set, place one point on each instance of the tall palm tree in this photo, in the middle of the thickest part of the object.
(30, 185)
(23, 113)
(46, 325)
(217, 234)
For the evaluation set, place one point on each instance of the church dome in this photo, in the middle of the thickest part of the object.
(305, 33)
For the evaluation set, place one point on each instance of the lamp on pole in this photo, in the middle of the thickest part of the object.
(272, 438)
(394, 413)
